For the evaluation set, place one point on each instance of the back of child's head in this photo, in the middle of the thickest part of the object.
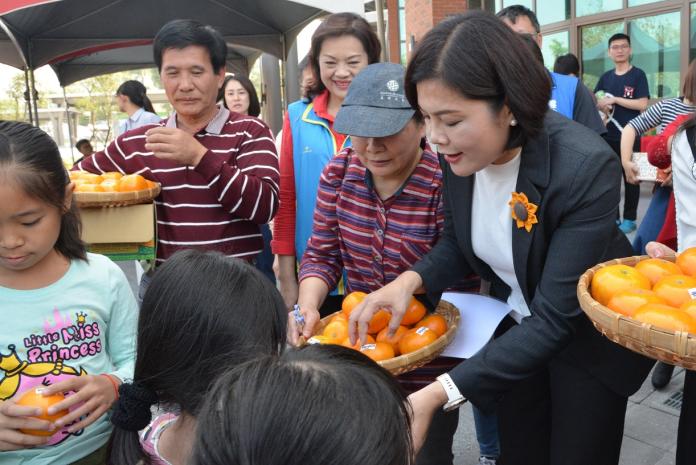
(313, 406)
(30, 161)
(202, 313)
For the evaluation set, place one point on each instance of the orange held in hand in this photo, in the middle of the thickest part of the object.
(351, 301)
(378, 351)
(627, 302)
(416, 338)
(687, 261)
(379, 321)
(435, 322)
(394, 340)
(33, 398)
(414, 313)
(675, 289)
(613, 279)
(666, 317)
(656, 268)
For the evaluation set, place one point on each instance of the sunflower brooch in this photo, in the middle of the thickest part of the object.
(523, 211)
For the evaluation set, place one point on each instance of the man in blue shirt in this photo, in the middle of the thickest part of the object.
(569, 96)
(626, 95)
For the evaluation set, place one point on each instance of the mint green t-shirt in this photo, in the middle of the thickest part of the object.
(83, 324)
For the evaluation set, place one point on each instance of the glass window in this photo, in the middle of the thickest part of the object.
(527, 3)
(591, 7)
(595, 60)
(655, 47)
(552, 11)
(640, 2)
(553, 46)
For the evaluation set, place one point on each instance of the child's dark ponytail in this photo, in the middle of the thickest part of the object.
(38, 169)
(131, 413)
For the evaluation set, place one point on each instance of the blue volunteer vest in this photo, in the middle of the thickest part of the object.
(563, 94)
(313, 146)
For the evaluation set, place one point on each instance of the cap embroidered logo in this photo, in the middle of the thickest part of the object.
(393, 85)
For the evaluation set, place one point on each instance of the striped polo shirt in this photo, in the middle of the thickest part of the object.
(375, 240)
(217, 205)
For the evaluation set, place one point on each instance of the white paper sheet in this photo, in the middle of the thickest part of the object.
(480, 315)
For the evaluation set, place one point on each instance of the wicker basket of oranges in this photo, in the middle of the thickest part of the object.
(645, 304)
(112, 189)
(421, 337)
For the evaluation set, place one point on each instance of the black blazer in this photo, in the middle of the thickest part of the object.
(574, 178)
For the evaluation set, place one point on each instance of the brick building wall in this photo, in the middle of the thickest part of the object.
(393, 38)
(422, 15)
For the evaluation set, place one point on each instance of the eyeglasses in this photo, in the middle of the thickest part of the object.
(620, 47)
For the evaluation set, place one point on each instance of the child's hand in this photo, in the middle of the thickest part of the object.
(96, 392)
(12, 418)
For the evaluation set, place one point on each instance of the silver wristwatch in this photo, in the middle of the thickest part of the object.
(455, 399)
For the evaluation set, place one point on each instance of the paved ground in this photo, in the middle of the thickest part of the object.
(651, 420)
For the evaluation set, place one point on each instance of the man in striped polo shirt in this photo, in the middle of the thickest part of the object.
(218, 169)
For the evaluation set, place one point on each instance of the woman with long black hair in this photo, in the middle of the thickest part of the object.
(530, 200)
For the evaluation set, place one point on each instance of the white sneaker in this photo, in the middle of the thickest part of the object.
(487, 461)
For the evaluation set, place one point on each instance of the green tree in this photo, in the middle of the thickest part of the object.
(98, 104)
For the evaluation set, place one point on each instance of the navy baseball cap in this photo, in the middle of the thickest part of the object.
(375, 105)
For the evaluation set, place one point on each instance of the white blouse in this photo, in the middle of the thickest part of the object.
(684, 179)
(491, 227)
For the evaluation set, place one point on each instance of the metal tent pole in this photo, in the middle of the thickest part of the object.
(27, 96)
(71, 136)
(34, 97)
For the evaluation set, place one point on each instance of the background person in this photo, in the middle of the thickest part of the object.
(132, 99)
(569, 96)
(302, 408)
(682, 148)
(559, 388)
(238, 94)
(629, 94)
(659, 116)
(341, 47)
(84, 146)
(218, 169)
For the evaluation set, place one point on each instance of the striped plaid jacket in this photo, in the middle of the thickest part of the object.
(374, 240)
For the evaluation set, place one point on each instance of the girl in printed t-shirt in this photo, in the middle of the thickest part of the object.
(202, 314)
(68, 316)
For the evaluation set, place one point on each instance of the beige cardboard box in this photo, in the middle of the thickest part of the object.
(122, 233)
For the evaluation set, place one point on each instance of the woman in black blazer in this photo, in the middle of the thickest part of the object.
(558, 387)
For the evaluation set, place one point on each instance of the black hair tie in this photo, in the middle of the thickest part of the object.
(132, 410)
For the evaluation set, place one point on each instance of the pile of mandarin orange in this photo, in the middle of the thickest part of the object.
(655, 291)
(415, 332)
(109, 182)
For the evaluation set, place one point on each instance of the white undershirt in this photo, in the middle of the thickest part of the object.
(684, 180)
(491, 227)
